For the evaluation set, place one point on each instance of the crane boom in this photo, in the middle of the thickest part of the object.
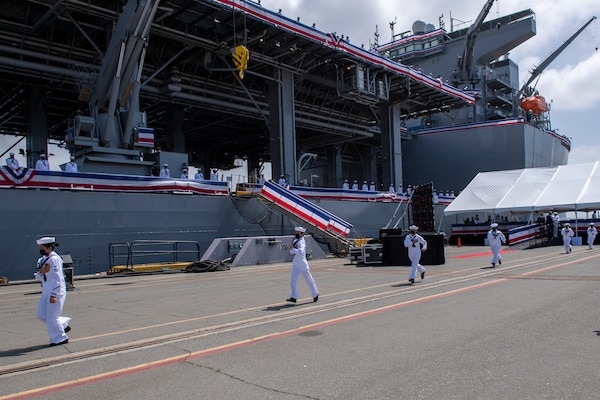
(540, 68)
(466, 61)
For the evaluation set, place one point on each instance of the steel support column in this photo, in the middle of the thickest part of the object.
(391, 146)
(36, 125)
(282, 127)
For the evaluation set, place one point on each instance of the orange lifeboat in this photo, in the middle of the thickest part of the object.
(536, 104)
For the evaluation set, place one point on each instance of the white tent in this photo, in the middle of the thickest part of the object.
(573, 187)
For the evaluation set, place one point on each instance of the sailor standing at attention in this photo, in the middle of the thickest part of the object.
(346, 186)
(54, 291)
(199, 175)
(72, 166)
(13, 163)
(300, 266)
(355, 185)
(495, 239)
(591, 232)
(567, 234)
(42, 164)
(415, 245)
(281, 182)
(165, 173)
(365, 187)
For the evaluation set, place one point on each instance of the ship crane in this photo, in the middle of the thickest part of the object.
(531, 101)
(115, 125)
(526, 90)
(465, 62)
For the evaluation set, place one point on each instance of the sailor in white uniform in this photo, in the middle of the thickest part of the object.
(372, 187)
(555, 221)
(199, 175)
(346, 186)
(71, 166)
(391, 189)
(365, 187)
(300, 267)
(281, 181)
(213, 176)
(495, 239)
(567, 234)
(355, 185)
(165, 173)
(13, 163)
(184, 174)
(42, 164)
(591, 233)
(54, 292)
(415, 245)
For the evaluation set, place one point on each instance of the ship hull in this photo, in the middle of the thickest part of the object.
(451, 157)
(85, 223)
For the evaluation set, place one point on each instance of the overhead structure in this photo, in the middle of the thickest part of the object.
(127, 80)
(574, 187)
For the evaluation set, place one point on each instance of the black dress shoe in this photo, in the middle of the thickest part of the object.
(499, 262)
(316, 298)
(423, 275)
(58, 344)
(411, 280)
(291, 300)
(67, 329)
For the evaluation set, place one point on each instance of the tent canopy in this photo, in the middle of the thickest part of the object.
(573, 187)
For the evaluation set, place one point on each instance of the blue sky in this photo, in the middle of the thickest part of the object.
(571, 82)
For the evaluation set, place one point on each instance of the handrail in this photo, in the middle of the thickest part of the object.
(139, 248)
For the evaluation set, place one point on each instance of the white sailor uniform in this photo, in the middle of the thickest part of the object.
(591, 232)
(53, 284)
(300, 267)
(567, 234)
(495, 240)
(415, 245)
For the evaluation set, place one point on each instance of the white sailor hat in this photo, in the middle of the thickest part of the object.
(413, 228)
(46, 240)
(591, 223)
(566, 224)
(299, 229)
(165, 165)
(11, 154)
(42, 155)
(494, 225)
(72, 158)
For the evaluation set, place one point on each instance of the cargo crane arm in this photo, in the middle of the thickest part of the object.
(466, 60)
(119, 78)
(526, 90)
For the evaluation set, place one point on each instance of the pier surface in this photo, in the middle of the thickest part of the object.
(528, 329)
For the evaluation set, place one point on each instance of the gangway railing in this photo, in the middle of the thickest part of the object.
(151, 251)
(314, 218)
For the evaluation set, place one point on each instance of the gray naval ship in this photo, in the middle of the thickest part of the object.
(129, 86)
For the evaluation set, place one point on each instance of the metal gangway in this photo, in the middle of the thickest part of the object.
(315, 219)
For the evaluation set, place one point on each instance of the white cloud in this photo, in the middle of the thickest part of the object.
(584, 154)
(573, 87)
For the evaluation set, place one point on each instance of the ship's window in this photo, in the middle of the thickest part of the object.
(409, 48)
